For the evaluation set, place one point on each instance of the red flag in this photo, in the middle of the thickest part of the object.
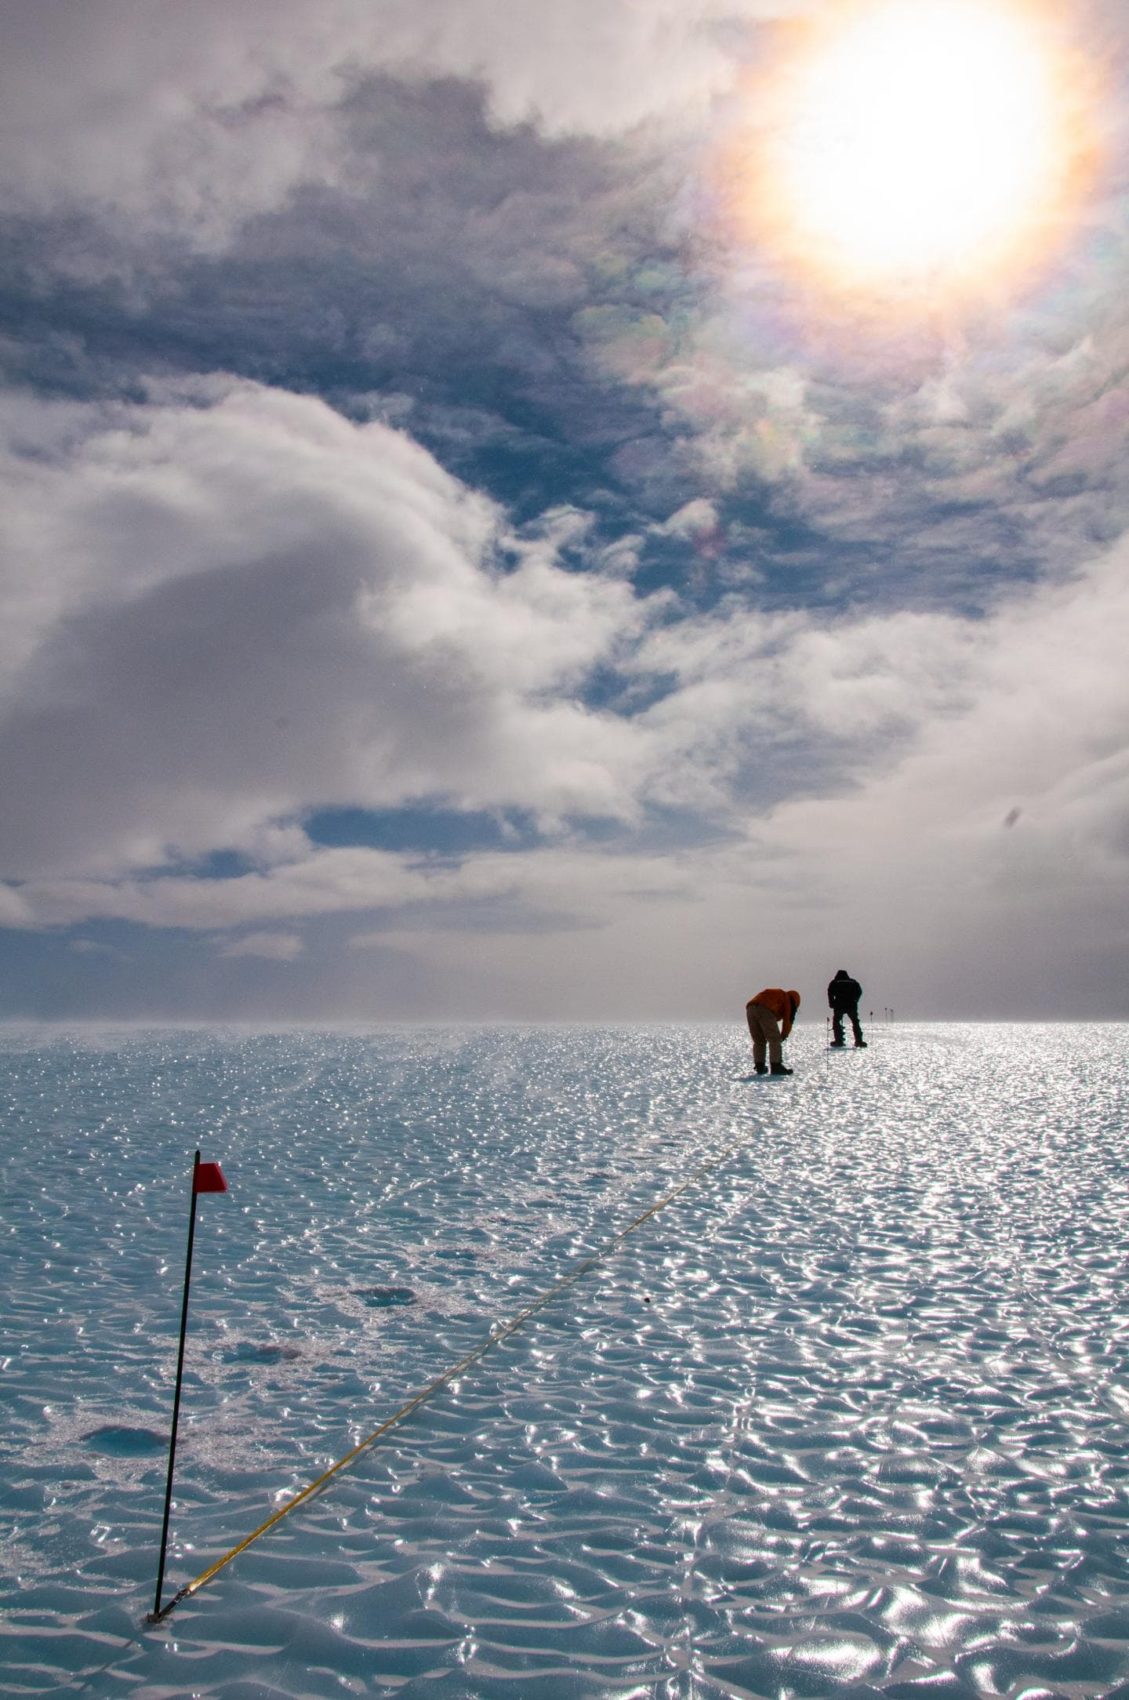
(208, 1177)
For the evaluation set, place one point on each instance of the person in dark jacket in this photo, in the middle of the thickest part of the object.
(770, 1016)
(843, 995)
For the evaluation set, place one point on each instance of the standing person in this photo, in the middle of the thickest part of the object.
(843, 995)
(770, 1016)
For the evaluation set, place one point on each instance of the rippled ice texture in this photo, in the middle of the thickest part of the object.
(847, 1417)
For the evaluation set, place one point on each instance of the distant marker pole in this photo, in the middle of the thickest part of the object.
(206, 1177)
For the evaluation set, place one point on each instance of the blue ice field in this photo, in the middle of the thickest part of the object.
(847, 1416)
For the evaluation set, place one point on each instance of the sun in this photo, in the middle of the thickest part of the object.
(911, 142)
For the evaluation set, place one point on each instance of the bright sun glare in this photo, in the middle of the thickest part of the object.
(911, 141)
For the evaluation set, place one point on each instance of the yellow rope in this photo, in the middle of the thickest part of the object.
(492, 1339)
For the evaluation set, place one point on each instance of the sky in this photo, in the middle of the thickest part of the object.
(572, 512)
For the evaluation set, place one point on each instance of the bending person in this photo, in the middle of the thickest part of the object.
(770, 1016)
(843, 995)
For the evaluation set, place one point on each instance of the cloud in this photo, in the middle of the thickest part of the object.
(207, 115)
(230, 605)
(692, 521)
(943, 457)
(191, 122)
(14, 911)
(940, 729)
(271, 947)
(502, 476)
(997, 843)
(900, 852)
(396, 231)
(546, 892)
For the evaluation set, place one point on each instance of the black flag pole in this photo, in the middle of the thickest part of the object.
(206, 1177)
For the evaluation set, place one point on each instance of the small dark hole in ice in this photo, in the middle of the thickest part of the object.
(383, 1298)
(248, 1352)
(115, 1441)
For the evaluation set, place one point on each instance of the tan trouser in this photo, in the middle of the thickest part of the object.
(764, 1030)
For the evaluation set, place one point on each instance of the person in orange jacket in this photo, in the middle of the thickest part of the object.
(770, 1016)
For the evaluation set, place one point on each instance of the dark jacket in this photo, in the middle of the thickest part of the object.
(844, 993)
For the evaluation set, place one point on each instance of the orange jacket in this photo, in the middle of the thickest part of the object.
(782, 1004)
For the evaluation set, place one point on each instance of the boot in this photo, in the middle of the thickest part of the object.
(778, 1068)
(761, 1068)
(860, 1044)
(837, 1045)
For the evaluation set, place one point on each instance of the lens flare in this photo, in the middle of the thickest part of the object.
(911, 144)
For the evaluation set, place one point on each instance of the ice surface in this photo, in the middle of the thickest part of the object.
(847, 1417)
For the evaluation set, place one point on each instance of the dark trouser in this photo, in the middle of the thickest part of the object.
(764, 1030)
(852, 1015)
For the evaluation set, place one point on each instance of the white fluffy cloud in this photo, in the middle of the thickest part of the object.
(588, 885)
(195, 117)
(230, 605)
(270, 947)
(328, 622)
(985, 867)
(973, 866)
